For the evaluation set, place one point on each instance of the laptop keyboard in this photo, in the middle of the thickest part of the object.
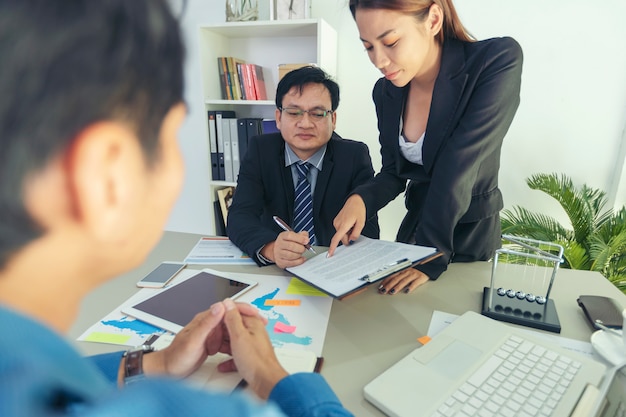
(520, 379)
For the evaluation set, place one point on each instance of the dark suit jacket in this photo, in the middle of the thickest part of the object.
(453, 200)
(265, 188)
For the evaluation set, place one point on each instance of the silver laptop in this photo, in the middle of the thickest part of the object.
(480, 367)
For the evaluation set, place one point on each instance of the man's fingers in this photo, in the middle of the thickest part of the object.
(246, 309)
(232, 319)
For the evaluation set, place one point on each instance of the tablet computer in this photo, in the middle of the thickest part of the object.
(174, 307)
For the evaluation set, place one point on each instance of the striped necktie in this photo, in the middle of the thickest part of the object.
(304, 203)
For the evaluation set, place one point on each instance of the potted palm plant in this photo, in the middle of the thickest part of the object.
(595, 240)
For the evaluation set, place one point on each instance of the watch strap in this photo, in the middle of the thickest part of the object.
(133, 367)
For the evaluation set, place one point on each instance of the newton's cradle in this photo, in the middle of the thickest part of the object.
(533, 306)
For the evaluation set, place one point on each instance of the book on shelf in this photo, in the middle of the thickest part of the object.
(241, 77)
(234, 76)
(259, 83)
(224, 78)
(216, 155)
(240, 80)
(249, 82)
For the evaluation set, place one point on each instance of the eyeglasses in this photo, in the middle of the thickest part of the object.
(297, 114)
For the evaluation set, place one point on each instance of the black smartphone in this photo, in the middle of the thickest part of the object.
(597, 307)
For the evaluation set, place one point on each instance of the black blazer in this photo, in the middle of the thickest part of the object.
(265, 188)
(453, 200)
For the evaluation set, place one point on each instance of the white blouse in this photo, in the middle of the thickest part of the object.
(412, 152)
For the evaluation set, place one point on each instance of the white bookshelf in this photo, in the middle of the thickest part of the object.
(268, 44)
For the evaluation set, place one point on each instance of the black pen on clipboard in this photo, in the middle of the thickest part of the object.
(387, 269)
(286, 228)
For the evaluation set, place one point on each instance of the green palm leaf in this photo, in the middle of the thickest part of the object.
(583, 207)
(522, 222)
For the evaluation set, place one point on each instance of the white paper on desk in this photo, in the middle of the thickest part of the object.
(440, 320)
(120, 329)
(341, 273)
(217, 250)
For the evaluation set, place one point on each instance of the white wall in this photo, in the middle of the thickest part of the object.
(571, 119)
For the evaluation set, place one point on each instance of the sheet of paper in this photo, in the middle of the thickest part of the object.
(120, 329)
(307, 321)
(342, 272)
(441, 320)
(217, 250)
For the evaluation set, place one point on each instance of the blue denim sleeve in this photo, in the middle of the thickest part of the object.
(307, 395)
(108, 364)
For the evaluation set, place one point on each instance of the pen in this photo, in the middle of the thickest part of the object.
(399, 264)
(286, 228)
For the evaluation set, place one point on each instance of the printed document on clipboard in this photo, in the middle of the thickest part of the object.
(354, 267)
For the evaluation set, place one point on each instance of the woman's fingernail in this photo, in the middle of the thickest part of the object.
(351, 242)
(406, 290)
(393, 291)
(382, 290)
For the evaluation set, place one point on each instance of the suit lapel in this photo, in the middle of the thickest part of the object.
(395, 98)
(323, 178)
(446, 96)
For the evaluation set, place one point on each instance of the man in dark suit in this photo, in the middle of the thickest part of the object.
(271, 172)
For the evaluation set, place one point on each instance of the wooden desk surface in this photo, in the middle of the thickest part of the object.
(369, 332)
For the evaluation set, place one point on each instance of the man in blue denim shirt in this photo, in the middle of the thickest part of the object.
(90, 105)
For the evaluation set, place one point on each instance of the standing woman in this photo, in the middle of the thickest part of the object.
(444, 105)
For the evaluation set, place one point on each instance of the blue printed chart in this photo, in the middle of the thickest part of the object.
(297, 315)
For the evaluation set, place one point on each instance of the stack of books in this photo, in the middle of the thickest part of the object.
(239, 80)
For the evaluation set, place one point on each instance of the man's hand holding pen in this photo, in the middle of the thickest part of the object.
(288, 248)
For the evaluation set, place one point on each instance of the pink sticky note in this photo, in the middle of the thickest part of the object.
(283, 328)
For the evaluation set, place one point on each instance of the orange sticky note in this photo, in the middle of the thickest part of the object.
(292, 303)
(280, 327)
(424, 339)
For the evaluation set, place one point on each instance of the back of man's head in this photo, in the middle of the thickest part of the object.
(300, 77)
(69, 64)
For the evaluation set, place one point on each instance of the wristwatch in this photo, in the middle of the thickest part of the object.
(133, 368)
